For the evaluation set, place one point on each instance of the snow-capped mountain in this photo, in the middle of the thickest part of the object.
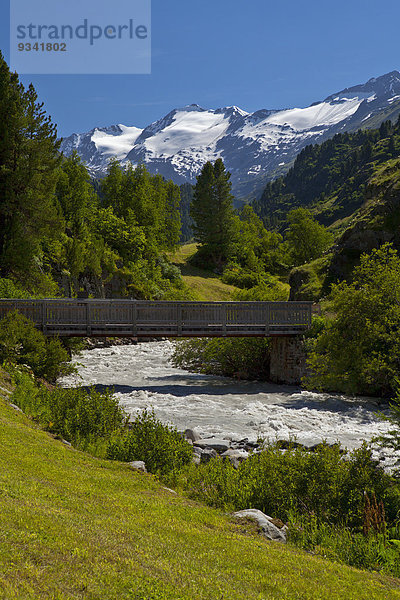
(254, 146)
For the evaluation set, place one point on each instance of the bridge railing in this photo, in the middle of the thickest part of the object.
(70, 317)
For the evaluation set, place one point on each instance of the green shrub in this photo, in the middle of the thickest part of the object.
(160, 446)
(241, 278)
(271, 291)
(307, 238)
(308, 281)
(10, 289)
(76, 414)
(377, 552)
(244, 358)
(21, 343)
(79, 414)
(358, 351)
(320, 484)
(169, 271)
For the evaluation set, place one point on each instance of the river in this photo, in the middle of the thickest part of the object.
(142, 376)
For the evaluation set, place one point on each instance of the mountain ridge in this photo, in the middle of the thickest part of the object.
(256, 147)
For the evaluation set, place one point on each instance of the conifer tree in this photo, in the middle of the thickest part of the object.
(172, 224)
(29, 160)
(111, 188)
(212, 213)
(75, 194)
(79, 205)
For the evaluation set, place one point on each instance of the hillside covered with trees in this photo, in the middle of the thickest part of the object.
(330, 179)
(59, 233)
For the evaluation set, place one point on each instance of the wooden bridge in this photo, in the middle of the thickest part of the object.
(142, 319)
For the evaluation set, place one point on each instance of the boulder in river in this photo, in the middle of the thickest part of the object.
(235, 457)
(207, 454)
(196, 459)
(192, 435)
(216, 444)
(265, 523)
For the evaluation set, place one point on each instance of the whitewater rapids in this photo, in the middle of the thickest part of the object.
(142, 377)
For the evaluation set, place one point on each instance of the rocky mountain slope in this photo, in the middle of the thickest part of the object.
(256, 147)
(374, 223)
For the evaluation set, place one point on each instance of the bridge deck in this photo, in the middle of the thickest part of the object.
(142, 319)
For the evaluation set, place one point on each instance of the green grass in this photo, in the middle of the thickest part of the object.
(72, 527)
(204, 285)
(182, 255)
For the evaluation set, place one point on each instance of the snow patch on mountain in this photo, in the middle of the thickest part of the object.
(194, 130)
(323, 114)
(115, 144)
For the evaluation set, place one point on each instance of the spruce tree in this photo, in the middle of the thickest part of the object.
(29, 161)
(76, 195)
(212, 214)
(111, 188)
(186, 193)
(172, 223)
(79, 205)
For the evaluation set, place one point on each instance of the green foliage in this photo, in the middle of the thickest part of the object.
(256, 254)
(307, 282)
(10, 289)
(78, 415)
(140, 222)
(172, 221)
(270, 290)
(358, 351)
(81, 249)
(254, 247)
(318, 484)
(330, 178)
(29, 159)
(392, 438)
(169, 271)
(75, 194)
(306, 237)
(21, 343)
(212, 214)
(160, 446)
(187, 222)
(244, 358)
(374, 552)
(241, 278)
(318, 325)
(60, 229)
(123, 236)
(153, 202)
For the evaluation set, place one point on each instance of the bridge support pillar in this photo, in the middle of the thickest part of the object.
(288, 360)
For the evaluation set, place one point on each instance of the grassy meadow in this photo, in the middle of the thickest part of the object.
(73, 526)
(204, 285)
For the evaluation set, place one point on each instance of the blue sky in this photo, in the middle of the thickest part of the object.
(254, 54)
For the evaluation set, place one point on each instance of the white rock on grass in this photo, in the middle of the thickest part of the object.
(138, 465)
(269, 530)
